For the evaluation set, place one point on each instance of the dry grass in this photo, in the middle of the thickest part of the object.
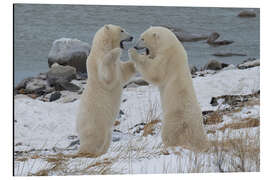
(149, 128)
(250, 122)
(237, 155)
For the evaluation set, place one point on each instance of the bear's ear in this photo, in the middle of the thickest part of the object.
(106, 27)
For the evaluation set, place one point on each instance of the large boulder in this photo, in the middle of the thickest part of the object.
(247, 13)
(72, 52)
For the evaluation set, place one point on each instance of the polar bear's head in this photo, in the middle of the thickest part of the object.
(155, 40)
(111, 36)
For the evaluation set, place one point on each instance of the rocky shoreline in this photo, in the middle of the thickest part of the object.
(64, 82)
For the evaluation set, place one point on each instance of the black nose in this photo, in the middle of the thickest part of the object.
(131, 38)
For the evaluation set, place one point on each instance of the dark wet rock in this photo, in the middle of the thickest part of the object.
(193, 69)
(249, 64)
(228, 54)
(70, 52)
(213, 65)
(223, 65)
(213, 101)
(247, 13)
(185, 36)
(54, 96)
(121, 112)
(212, 40)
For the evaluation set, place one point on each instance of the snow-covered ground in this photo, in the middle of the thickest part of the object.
(44, 130)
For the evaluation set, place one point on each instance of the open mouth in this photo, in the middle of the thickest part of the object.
(125, 40)
(142, 49)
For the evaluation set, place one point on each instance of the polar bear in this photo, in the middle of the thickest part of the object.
(100, 101)
(165, 65)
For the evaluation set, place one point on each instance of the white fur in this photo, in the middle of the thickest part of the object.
(167, 67)
(100, 100)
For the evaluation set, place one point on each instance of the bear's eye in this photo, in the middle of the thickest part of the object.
(122, 30)
(142, 39)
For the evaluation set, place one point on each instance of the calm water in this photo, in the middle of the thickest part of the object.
(37, 26)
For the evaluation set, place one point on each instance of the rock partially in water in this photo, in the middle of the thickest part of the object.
(185, 36)
(227, 54)
(193, 69)
(72, 52)
(212, 40)
(247, 13)
(249, 64)
(213, 65)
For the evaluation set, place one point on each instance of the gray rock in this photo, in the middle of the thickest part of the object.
(213, 65)
(249, 64)
(193, 69)
(227, 54)
(185, 36)
(247, 13)
(56, 95)
(212, 40)
(59, 73)
(23, 83)
(213, 101)
(72, 52)
(35, 85)
(60, 76)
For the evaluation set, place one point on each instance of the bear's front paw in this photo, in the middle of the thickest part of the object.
(133, 54)
(116, 52)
